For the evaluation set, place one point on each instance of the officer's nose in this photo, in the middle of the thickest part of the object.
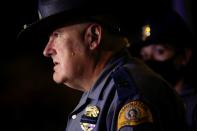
(49, 50)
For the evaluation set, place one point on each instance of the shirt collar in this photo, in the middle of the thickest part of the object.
(112, 64)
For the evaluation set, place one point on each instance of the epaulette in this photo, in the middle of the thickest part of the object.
(124, 84)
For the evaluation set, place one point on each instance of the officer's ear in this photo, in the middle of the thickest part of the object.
(93, 35)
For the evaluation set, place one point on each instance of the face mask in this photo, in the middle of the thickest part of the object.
(166, 69)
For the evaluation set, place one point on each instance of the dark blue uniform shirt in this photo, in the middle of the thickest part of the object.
(128, 96)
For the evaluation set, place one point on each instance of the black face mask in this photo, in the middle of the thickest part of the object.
(166, 69)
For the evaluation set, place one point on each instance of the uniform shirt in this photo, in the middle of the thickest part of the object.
(128, 96)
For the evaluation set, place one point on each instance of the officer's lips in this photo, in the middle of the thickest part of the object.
(55, 64)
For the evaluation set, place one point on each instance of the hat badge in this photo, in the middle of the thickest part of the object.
(146, 32)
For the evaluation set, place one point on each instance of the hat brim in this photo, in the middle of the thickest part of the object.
(41, 29)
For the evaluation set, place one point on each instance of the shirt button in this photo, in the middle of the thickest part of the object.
(74, 117)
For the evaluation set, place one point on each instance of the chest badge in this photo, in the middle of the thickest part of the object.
(89, 118)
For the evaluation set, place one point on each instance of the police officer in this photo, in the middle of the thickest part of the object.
(89, 54)
(166, 47)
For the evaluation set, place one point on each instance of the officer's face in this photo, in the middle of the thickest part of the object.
(67, 48)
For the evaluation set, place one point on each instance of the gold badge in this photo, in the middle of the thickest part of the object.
(91, 111)
(134, 113)
(89, 118)
(87, 126)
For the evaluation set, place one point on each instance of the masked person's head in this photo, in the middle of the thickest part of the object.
(166, 46)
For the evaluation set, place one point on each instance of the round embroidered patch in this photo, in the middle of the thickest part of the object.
(134, 113)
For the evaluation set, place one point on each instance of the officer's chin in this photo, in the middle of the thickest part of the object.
(58, 79)
(73, 86)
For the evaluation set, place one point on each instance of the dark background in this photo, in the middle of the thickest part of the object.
(29, 99)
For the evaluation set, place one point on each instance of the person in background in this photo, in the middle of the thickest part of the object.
(166, 46)
(89, 52)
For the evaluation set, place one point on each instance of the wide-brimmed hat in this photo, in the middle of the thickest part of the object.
(58, 13)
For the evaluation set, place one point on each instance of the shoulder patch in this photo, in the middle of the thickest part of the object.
(134, 113)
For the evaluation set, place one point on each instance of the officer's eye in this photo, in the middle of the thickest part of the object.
(56, 34)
